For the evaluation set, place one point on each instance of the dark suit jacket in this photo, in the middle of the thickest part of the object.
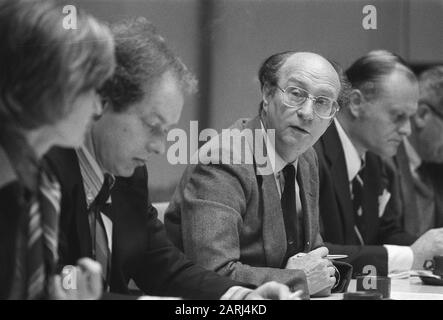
(141, 250)
(12, 210)
(18, 183)
(336, 209)
(406, 202)
(227, 217)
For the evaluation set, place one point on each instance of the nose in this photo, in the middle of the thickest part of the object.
(306, 111)
(157, 146)
(405, 129)
(97, 107)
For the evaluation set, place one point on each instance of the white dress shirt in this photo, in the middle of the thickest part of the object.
(400, 258)
(93, 178)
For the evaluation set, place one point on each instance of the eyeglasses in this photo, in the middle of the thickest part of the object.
(434, 109)
(295, 97)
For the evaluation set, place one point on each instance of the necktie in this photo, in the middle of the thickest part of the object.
(288, 205)
(42, 246)
(357, 203)
(100, 248)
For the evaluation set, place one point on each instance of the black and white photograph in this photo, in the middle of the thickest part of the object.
(237, 151)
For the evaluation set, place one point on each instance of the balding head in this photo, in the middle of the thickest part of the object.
(284, 63)
(299, 91)
(304, 65)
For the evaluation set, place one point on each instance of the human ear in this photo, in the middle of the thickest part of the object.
(356, 103)
(266, 96)
(422, 116)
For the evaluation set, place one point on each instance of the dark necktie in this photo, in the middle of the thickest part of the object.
(357, 203)
(289, 208)
(100, 247)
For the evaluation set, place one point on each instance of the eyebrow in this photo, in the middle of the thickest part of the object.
(323, 91)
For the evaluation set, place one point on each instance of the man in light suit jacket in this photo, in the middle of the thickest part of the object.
(250, 211)
(359, 217)
(420, 179)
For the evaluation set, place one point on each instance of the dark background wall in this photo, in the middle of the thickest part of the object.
(224, 42)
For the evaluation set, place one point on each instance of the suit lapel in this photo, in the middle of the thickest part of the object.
(274, 235)
(335, 155)
(408, 196)
(81, 216)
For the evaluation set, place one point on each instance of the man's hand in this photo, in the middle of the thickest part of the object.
(269, 291)
(319, 271)
(88, 282)
(274, 291)
(428, 245)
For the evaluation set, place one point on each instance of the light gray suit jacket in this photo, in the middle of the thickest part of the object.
(228, 217)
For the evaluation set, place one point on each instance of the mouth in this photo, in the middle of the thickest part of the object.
(140, 162)
(300, 129)
(396, 141)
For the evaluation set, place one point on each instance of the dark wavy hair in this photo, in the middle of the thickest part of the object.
(142, 57)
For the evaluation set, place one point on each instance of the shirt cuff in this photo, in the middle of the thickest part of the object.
(236, 293)
(400, 258)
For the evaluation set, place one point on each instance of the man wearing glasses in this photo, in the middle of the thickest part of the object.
(257, 222)
(421, 182)
(359, 195)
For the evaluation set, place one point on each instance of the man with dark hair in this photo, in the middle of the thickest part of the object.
(421, 183)
(255, 218)
(48, 82)
(355, 187)
(106, 212)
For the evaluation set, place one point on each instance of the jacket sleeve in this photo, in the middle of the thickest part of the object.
(210, 202)
(391, 230)
(362, 257)
(162, 269)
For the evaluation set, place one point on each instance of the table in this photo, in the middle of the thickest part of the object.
(401, 289)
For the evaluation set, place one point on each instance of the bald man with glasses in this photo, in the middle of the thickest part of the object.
(255, 218)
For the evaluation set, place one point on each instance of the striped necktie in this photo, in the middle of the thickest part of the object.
(357, 203)
(42, 246)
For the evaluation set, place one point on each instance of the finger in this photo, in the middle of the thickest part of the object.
(90, 279)
(331, 271)
(332, 281)
(254, 296)
(297, 295)
(321, 252)
(56, 290)
(89, 265)
(274, 290)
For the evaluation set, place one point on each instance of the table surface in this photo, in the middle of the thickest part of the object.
(401, 289)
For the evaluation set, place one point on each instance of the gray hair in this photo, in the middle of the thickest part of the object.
(431, 86)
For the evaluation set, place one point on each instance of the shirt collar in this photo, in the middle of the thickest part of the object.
(276, 160)
(353, 161)
(414, 159)
(91, 172)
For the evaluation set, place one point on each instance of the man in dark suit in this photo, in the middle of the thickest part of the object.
(105, 208)
(355, 187)
(421, 192)
(250, 210)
